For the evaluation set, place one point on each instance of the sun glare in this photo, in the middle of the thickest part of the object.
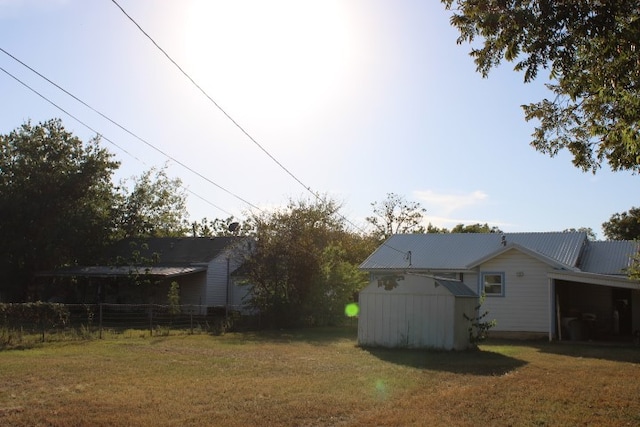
(270, 60)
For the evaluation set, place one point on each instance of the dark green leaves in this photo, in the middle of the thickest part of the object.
(591, 50)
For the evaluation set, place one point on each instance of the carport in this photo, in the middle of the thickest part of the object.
(589, 306)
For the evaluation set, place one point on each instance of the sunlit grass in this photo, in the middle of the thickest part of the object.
(313, 377)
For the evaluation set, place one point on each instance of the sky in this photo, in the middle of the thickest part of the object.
(349, 99)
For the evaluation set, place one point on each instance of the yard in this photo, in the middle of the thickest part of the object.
(314, 378)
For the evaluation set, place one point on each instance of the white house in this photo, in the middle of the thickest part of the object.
(556, 284)
(203, 267)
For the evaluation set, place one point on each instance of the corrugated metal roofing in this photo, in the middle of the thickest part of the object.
(610, 257)
(459, 250)
(176, 256)
(456, 287)
(123, 271)
(173, 251)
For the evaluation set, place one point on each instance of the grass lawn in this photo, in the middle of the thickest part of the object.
(314, 378)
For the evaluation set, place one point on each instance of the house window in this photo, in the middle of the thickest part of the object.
(493, 284)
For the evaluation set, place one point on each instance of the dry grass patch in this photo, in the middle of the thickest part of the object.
(316, 377)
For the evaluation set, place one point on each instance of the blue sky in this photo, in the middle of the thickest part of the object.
(355, 98)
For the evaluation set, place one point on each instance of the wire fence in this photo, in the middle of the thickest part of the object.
(50, 321)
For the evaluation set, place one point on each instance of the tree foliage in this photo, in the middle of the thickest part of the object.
(55, 201)
(151, 205)
(461, 228)
(591, 235)
(591, 49)
(623, 226)
(475, 228)
(303, 267)
(59, 206)
(395, 215)
(220, 227)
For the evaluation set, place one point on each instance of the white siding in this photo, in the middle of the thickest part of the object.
(217, 273)
(415, 314)
(217, 282)
(525, 304)
(471, 280)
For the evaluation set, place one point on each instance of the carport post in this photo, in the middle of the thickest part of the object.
(150, 319)
(100, 320)
(554, 309)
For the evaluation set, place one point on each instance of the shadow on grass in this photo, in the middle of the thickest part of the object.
(475, 362)
(612, 351)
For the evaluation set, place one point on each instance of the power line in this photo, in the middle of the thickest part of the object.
(96, 132)
(235, 123)
(121, 127)
(120, 147)
(67, 113)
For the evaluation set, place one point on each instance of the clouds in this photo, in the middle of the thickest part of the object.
(449, 209)
(446, 203)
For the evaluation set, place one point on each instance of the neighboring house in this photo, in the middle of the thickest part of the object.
(139, 271)
(556, 284)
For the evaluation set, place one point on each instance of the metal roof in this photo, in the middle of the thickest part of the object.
(123, 271)
(459, 251)
(176, 256)
(173, 250)
(609, 257)
(456, 287)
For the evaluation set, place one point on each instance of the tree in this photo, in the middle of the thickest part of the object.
(395, 215)
(475, 228)
(591, 235)
(151, 205)
(461, 228)
(303, 266)
(55, 201)
(436, 230)
(591, 49)
(220, 227)
(623, 226)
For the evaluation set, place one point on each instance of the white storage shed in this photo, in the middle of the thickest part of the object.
(415, 311)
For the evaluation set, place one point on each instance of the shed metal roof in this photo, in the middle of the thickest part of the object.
(458, 251)
(456, 287)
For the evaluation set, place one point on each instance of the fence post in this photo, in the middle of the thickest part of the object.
(191, 319)
(151, 319)
(100, 320)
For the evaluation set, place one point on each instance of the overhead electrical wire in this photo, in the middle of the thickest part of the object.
(68, 113)
(98, 133)
(228, 116)
(222, 110)
(147, 143)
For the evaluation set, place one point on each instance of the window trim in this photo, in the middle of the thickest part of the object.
(502, 283)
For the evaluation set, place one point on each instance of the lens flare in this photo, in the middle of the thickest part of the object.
(352, 310)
